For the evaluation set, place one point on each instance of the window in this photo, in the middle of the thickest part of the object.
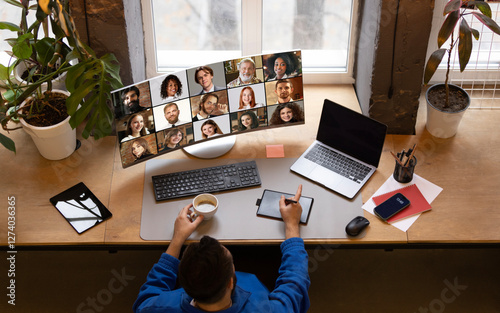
(481, 77)
(9, 13)
(182, 34)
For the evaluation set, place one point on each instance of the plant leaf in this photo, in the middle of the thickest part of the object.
(4, 72)
(79, 116)
(464, 44)
(74, 72)
(491, 24)
(77, 96)
(8, 143)
(44, 5)
(453, 5)
(22, 49)
(10, 26)
(447, 28)
(16, 3)
(475, 33)
(9, 95)
(432, 64)
(483, 7)
(45, 50)
(95, 83)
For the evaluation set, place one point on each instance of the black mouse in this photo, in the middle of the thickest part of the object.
(356, 226)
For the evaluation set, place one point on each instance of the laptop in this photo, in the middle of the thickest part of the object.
(346, 151)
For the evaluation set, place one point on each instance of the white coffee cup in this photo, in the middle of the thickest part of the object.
(205, 204)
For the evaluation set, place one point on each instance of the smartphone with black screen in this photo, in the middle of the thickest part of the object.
(391, 206)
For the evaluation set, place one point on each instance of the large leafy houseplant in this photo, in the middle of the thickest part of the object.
(89, 80)
(456, 12)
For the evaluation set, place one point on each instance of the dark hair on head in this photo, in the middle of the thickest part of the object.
(205, 270)
(134, 89)
(283, 81)
(205, 69)
(253, 116)
(290, 59)
(298, 113)
(141, 142)
(164, 84)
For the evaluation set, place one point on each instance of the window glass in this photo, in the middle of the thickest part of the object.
(320, 28)
(188, 33)
(12, 14)
(193, 32)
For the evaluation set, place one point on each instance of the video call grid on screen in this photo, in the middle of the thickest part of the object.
(172, 111)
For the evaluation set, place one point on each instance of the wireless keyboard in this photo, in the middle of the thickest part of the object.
(206, 180)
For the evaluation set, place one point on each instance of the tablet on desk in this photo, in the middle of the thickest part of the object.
(80, 207)
(269, 205)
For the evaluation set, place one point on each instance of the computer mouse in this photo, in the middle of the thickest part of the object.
(356, 226)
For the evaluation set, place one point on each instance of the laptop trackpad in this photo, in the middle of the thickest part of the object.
(324, 177)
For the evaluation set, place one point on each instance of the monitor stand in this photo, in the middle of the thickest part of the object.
(211, 149)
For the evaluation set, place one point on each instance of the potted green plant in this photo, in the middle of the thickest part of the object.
(89, 81)
(446, 103)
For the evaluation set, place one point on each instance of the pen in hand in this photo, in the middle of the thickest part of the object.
(288, 201)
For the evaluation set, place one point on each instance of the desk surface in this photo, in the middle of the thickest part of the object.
(466, 166)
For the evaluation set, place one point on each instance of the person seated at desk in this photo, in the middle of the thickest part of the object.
(207, 275)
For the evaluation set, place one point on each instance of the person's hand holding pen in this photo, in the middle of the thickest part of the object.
(291, 211)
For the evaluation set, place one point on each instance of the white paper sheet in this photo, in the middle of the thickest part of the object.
(429, 190)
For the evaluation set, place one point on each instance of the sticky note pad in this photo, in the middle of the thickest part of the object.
(275, 151)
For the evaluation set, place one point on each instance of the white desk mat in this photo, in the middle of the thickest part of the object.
(236, 217)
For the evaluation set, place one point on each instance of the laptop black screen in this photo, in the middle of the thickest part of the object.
(351, 132)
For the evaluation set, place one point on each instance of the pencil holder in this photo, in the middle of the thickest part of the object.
(404, 174)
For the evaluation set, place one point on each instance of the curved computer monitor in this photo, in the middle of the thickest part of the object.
(201, 109)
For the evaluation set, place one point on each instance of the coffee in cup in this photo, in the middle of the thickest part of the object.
(205, 204)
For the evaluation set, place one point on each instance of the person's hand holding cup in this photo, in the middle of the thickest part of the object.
(205, 204)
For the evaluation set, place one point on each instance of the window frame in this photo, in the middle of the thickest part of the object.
(252, 45)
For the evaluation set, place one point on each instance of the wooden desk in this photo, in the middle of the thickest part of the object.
(33, 180)
(466, 166)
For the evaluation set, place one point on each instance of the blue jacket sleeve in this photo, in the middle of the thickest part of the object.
(292, 285)
(161, 278)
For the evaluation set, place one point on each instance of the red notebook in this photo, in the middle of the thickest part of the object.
(418, 204)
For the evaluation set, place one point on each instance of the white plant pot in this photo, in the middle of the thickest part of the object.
(54, 142)
(57, 83)
(443, 124)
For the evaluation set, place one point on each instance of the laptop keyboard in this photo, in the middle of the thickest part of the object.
(209, 179)
(338, 163)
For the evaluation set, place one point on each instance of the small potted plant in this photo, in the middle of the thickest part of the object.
(446, 103)
(89, 80)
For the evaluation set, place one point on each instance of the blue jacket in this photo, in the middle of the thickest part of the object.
(250, 295)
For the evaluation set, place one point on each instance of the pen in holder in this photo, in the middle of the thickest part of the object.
(403, 172)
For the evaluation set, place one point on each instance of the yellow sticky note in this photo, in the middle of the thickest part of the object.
(275, 151)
